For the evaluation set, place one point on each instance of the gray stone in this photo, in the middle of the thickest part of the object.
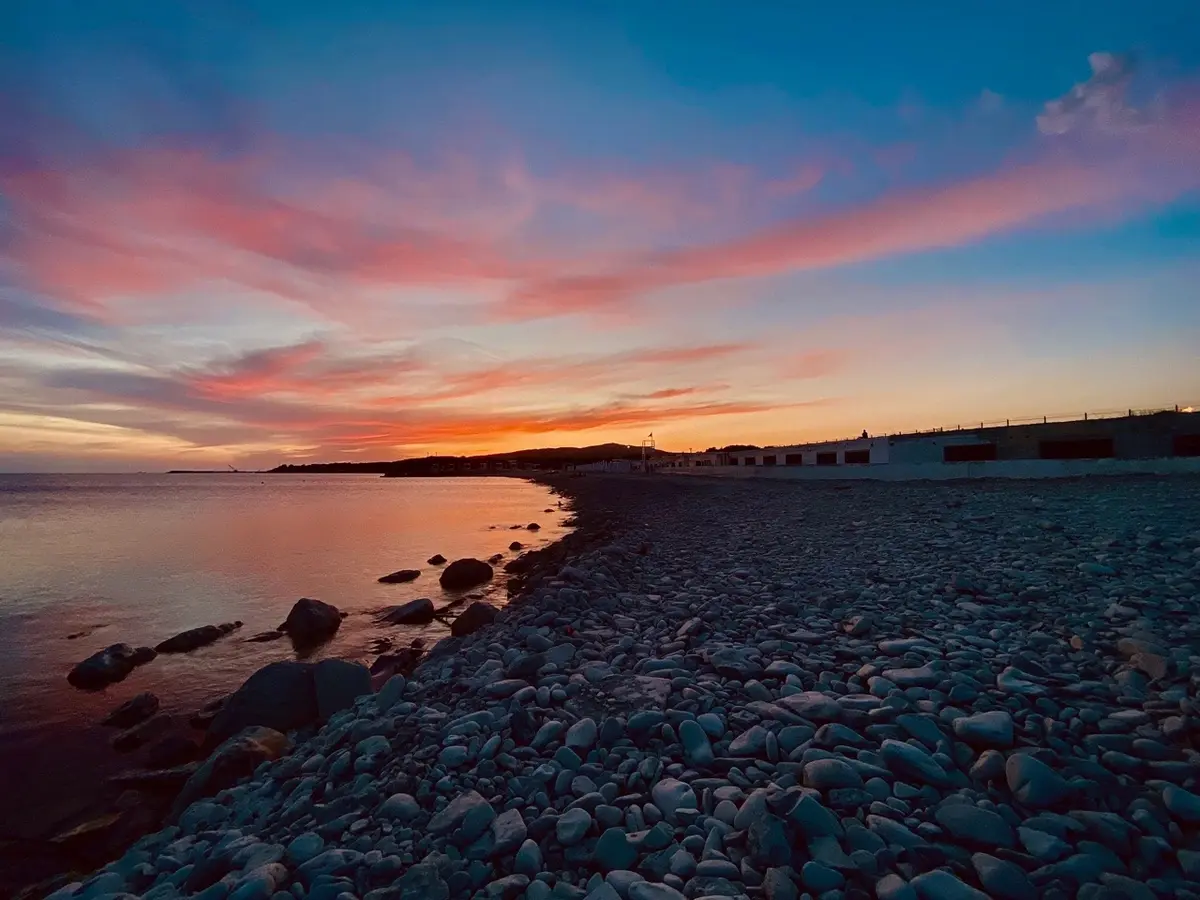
(767, 841)
(648, 890)
(813, 819)
(450, 818)
(508, 832)
(670, 794)
(528, 860)
(820, 878)
(303, 847)
(893, 887)
(923, 676)
(697, 751)
(941, 885)
(778, 885)
(986, 729)
(581, 736)
(975, 827)
(813, 705)
(1183, 805)
(1034, 783)
(910, 761)
(391, 692)
(614, 850)
(825, 774)
(1041, 845)
(572, 826)
(1003, 879)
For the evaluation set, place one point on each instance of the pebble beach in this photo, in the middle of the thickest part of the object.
(759, 690)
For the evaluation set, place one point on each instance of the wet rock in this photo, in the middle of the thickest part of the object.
(264, 637)
(436, 560)
(338, 684)
(415, 612)
(104, 667)
(281, 696)
(465, 573)
(131, 712)
(401, 576)
(194, 638)
(311, 622)
(143, 733)
(474, 617)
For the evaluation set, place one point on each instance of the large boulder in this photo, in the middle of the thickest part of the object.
(415, 612)
(281, 696)
(131, 712)
(472, 619)
(401, 576)
(233, 760)
(108, 666)
(465, 573)
(311, 621)
(193, 638)
(338, 683)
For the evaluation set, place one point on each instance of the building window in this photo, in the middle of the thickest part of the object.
(748, 461)
(1079, 448)
(827, 459)
(968, 453)
(793, 459)
(769, 460)
(857, 457)
(1186, 445)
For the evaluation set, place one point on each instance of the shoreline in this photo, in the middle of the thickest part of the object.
(749, 690)
(47, 806)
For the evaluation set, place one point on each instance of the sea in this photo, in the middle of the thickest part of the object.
(92, 560)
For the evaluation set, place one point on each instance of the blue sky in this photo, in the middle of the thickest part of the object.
(250, 232)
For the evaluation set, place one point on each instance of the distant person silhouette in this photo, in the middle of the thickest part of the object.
(864, 434)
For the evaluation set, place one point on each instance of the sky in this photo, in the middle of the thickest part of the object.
(255, 232)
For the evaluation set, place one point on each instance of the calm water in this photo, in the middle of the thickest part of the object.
(140, 558)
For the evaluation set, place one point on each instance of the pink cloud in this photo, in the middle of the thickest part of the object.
(1151, 165)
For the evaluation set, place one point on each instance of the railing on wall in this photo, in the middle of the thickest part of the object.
(1025, 420)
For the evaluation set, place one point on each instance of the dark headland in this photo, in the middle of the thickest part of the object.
(754, 689)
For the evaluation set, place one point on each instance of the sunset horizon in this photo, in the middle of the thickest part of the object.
(252, 238)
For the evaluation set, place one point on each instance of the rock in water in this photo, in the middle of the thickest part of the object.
(104, 667)
(154, 727)
(473, 618)
(338, 683)
(436, 560)
(281, 696)
(401, 576)
(131, 712)
(194, 638)
(415, 612)
(234, 759)
(465, 573)
(310, 622)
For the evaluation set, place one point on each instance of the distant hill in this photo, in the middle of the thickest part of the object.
(533, 459)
